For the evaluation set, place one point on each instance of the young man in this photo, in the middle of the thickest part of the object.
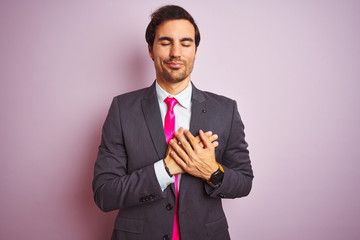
(166, 183)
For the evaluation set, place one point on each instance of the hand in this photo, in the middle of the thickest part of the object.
(191, 157)
(174, 168)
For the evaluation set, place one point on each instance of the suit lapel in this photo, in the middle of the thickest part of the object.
(152, 115)
(198, 111)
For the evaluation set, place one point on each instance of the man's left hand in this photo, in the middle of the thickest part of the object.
(192, 158)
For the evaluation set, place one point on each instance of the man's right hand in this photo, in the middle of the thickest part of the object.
(174, 168)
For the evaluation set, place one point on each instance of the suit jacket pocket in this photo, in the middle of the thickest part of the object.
(216, 227)
(129, 225)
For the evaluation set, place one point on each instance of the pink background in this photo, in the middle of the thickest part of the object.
(292, 66)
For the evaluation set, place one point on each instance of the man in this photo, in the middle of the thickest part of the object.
(174, 190)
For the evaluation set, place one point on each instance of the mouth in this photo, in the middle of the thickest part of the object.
(174, 65)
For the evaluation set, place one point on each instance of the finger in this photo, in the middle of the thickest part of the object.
(179, 150)
(178, 160)
(214, 143)
(168, 150)
(214, 137)
(184, 143)
(205, 140)
(178, 135)
(209, 133)
(193, 141)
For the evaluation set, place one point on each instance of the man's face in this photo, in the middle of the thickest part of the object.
(174, 51)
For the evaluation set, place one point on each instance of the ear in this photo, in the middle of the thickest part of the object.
(150, 52)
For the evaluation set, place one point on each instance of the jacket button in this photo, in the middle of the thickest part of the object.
(144, 199)
(169, 207)
(220, 195)
(166, 237)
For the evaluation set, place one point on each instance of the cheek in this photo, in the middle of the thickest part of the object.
(158, 63)
(190, 58)
(160, 52)
(159, 58)
(190, 55)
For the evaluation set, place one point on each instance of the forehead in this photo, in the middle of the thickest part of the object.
(176, 29)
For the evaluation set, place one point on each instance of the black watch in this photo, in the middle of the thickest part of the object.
(217, 176)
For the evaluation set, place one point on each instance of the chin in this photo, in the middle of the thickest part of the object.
(175, 80)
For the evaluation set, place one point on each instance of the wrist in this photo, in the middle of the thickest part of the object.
(167, 169)
(217, 177)
(214, 168)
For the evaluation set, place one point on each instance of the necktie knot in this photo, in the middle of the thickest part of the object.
(170, 102)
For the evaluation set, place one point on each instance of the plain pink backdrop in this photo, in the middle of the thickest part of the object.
(292, 66)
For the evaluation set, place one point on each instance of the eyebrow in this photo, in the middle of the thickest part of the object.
(186, 40)
(181, 40)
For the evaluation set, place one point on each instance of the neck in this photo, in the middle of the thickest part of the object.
(174, 88)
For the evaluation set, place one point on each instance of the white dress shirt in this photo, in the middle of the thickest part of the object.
(182, 111)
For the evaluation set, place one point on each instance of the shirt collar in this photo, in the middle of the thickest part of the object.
(183, 98)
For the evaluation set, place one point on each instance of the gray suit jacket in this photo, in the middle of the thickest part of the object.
(124, 178)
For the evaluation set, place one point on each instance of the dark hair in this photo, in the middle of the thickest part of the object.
(168, 12)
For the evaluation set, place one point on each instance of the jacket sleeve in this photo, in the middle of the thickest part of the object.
(238, 174)
(113, 185)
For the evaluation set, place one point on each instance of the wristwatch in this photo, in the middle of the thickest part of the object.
(217, 176)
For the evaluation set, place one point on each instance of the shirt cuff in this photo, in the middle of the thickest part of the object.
(162, 176)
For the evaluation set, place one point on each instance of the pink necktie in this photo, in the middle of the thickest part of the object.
(169, 129)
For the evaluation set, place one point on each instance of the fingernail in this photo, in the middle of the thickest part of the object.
(201, 131)
(171, 141)
(176, 133)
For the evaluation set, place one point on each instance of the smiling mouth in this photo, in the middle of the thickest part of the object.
(174, 65)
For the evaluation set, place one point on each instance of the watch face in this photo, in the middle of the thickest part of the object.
(216, 177)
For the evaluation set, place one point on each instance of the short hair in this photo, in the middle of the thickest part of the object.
(169, 12)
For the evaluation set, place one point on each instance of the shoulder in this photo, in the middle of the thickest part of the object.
(136, 96)
(219, 106)
(210, 96)
(132, 95)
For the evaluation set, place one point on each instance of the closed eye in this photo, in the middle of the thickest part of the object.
(165, 41)
(187, 42)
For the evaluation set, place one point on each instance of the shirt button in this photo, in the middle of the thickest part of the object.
(169, 207)
(166, 237)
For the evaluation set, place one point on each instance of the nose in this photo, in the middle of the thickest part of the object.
(175, 51)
